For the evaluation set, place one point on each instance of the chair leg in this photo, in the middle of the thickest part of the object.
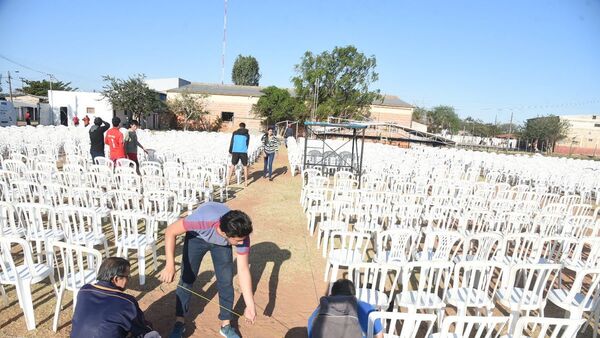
(142, 265)
(4, 297)
(327, 265)
(154, 262)
(58, 306)
(512, 322)
(24, 292)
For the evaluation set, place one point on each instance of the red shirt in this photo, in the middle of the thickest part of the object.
(114, 140)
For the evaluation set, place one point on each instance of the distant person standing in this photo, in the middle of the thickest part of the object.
(238, 148)
(76, 121)
(86, 121)
(132, 143)
(115, 140)
(270, 146)
(97, 137)
(28, 118)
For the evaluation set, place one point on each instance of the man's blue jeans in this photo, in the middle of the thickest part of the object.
(194, 249)
(269, 164)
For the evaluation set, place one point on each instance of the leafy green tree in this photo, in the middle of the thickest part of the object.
(245, 71)
(41, 88)
(443, 117)
(132, 95)
(420, 114)
(188, 107)
(545, 131)
(341, 81)
(278, 105)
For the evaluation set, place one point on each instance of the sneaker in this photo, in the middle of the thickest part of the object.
(178, 330)
(228, 331)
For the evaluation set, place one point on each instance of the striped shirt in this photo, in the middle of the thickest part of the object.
(203, 223)
(270, 144)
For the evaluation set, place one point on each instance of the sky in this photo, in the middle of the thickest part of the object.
(487, 59)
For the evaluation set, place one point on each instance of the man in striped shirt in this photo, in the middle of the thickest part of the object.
(213, 228)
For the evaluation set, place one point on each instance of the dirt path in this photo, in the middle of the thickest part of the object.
(283, 262)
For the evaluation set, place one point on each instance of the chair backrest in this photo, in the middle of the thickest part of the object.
(432, 277)
(99, 180)
(88, 197)
(8, 224)
(80, 264)
(396, 245)
(78, 223)
(125, 225)
(520, 247)
(125, 162)
(131, 182)
(37, 218)
(547, 327)
(441, 245)
(473, 326)
(125, 170)
(585, 288)
(26, 192)
(535, 279)
(105, 162)
(580, 210)
(151, 169)
(485, 276)
(583, 252)
(481, 246)
(411, 324)
(350, 243)
(157, 201)
(70, 179)
(121, 200)
(370, 278)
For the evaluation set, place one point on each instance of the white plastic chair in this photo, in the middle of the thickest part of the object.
(480, 247)
(370, 281)
(474, 286)
(82, 227)
(40, 222)
(22, 275)
(127, 236)
(411, 323)
(162, 206)
(440, 245)
(432, 280)
(351, 249)
(527, 289)
(581, 296)
(8, 224)
(80, 267)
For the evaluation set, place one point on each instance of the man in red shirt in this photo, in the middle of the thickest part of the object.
(114, 140)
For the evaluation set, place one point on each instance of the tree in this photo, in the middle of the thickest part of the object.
(278, 105)
(188, 107)
(132, 95)
(420, 114)
(545, 131)
(245, 71)
(443, 118)
(340, 80)
(41, 88)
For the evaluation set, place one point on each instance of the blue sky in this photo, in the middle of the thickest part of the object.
(485, 58)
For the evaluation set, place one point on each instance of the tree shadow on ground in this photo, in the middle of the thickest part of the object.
(162, 312)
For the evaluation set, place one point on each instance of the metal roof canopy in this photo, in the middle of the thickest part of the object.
(321, 131)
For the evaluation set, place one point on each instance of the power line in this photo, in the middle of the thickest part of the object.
(24, 66)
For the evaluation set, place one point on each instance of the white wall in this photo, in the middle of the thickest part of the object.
(77, 104)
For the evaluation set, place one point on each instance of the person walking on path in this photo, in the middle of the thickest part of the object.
(211, 228)
(97, 137)
(115, 140)
(270, 145)
(238, 148)
(132, 144)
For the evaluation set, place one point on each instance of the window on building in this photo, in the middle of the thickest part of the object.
(597, 125)
(90, 110)
(594, 117)
(226, 116)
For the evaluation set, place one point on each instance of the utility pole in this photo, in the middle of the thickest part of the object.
(510, 124)
(10, 87)
(224, 44)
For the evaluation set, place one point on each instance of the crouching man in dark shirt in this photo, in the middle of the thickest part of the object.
(105, 310)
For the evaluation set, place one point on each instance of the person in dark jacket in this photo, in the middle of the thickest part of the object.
(97, 137)
(105, 310)
(238, 148)
(341, 315)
